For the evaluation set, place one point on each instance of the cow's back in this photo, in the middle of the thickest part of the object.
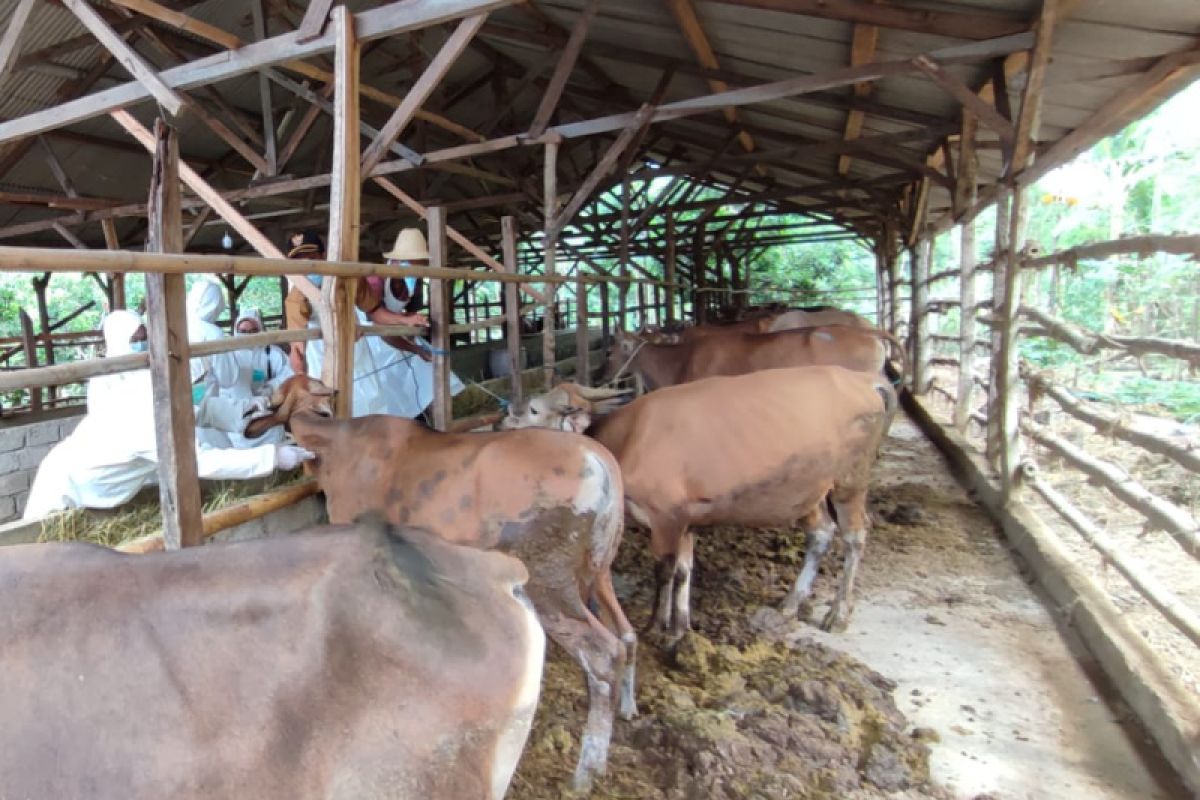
(739, 354)
(738, 447)
(314, 666)
(811, 318)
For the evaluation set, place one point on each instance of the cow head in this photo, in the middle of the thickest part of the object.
(621, 352)
(298, 393)
(567, 407)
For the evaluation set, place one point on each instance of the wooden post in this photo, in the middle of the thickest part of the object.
(999, 271)
(344, 198)
(643, 302)
(918, 327)
(583, 371)
(881, 301)
(167, 339)
(29, 344)
(605, 312)
(623, 255)
(669, 269)
(39, 288)
(967, 170)
(699, 278)
(512, 307)
(440, 319)
(550, 201)
(891, 261)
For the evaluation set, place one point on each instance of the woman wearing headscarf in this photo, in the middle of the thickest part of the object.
(113, 453)
(260, 370)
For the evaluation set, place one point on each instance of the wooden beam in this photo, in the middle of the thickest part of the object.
(314, 20)
(126, 56)
(375, 23)
(183, 22)
(512, 311)
(337, 369)
(75, 241)
(270, 153)
(583, 365)
(550, 256)
(12, 35)
(56, 167)
(420, 91)
(862, 51)
(693, 33)
(955, 24)
(601, 170)
(440, 311)
(985, 112)
(167, 337)
(562, 70)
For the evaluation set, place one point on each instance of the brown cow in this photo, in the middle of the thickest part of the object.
(763, 449)
(553, 501)
(767, 322)
(573, 407)
(354, 662)
(656, 366)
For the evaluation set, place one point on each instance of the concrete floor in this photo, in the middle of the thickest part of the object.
(945, 611)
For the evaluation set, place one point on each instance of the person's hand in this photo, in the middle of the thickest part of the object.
(290, 456)
(417, 320)
(257, 406)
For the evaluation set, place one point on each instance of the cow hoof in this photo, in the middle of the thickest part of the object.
(628, 712)
(834, 622)
(800, 609)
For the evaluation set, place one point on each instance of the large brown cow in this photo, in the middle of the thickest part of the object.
(556, 502)
(357, 663)
(762, 449)
(767, 322)
(656, 366)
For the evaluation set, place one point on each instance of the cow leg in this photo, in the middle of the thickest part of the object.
(852, 522)
(616, 620)
(681, 618)
(665, 540)
(818, 533)
(601, 655)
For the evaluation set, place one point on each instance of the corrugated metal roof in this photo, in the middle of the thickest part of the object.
(629, 42)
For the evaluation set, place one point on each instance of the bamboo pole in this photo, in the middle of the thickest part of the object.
(231, 516)
(1158, 512)
(1155, 593)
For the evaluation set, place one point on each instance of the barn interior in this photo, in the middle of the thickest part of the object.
(599, 164)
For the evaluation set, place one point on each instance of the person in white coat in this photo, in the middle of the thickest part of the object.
(260, 371)
(205, 303)
(112, 453)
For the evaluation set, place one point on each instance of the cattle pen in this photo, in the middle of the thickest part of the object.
(610, 165)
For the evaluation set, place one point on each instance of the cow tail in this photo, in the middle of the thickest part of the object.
(887, 393)
(897, 378)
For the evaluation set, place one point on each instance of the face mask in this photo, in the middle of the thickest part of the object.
(244, 333)
(197, 393)
(316, 279)
(411, 283)
(138, 347)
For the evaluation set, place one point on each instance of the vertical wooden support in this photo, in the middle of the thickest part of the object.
(892, 262)
(881, 303)
(29, 345)
(643, 304)
(967, 172)
(669, 269)
(550, 201)
(440, 319)
(344, 193)
(116, 279)
(623, 256)
(1007, 380)
(512, 306)
(583, 365)
(606, 312)
(40, 285)
(167, 339)
(1000, 260)
(918, 328)
(699, 276)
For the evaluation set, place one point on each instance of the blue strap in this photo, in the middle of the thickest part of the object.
(431, 349)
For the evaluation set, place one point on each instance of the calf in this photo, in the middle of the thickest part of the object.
(571, 406)
(354, 662)
(656, 366)
(553, 501)
(763, 449)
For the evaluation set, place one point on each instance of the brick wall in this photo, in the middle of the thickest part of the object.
(22, 448)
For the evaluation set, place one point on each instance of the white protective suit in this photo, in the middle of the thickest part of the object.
(205, 302)
(386, 380)
(112, 454)
(260, 371)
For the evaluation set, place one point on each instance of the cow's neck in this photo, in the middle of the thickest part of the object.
(658, 364)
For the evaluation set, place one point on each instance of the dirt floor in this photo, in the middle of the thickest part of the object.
(952, 681)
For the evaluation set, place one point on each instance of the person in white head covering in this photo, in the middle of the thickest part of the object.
(261, 370)
(112, 453)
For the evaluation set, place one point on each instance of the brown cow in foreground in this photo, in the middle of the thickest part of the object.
(357, 662)
(656, 366)
(554, 501)
(763, 449)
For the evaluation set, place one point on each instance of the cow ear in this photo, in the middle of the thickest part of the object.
(260, 425)
(318, 389)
